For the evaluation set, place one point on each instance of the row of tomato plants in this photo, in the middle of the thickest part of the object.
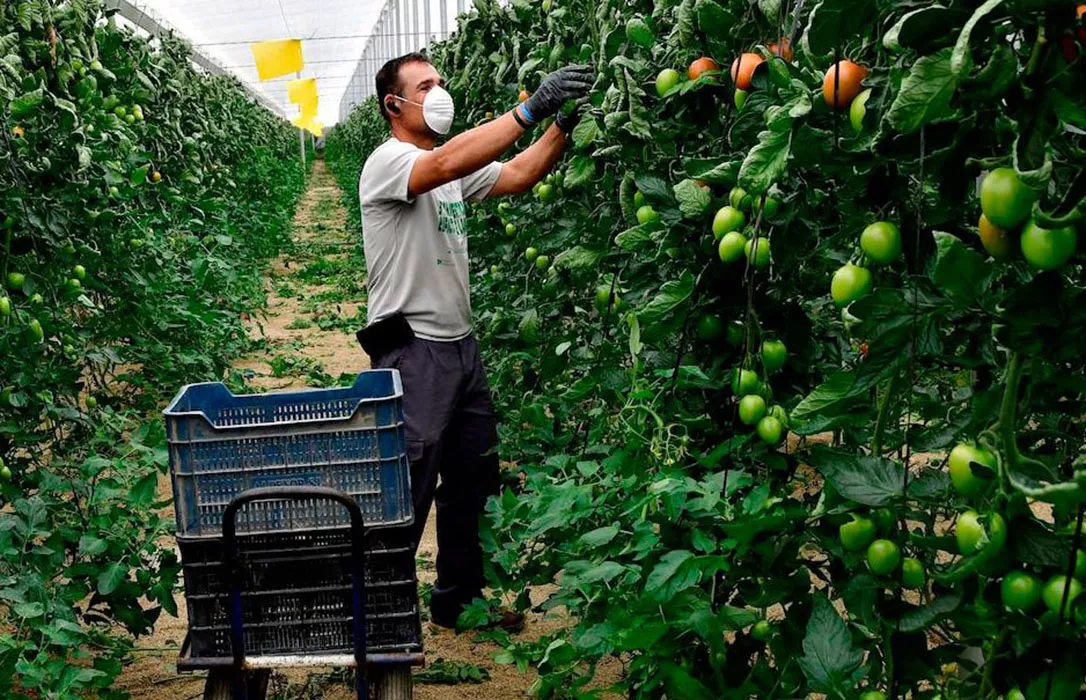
(137, 197)
(794, 249)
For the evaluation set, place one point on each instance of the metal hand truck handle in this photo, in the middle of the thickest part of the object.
(233, 573)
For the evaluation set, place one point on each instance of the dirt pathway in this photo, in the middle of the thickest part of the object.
(316, 302)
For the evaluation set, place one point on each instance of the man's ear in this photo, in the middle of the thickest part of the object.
(391, 106)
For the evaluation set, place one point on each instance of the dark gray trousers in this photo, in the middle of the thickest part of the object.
(452, 432)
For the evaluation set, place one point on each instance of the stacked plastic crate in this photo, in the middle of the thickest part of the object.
(295, 555)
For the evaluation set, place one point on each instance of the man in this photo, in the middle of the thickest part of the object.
(413, 225)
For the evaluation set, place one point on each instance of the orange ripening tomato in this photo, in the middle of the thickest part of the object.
(849, 78)
(782, 49)
(743, 69)
(700, 66)
(522, 96)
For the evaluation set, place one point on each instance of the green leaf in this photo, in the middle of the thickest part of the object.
(25, 104)
(770, 8)
(958, 272)
(600, 536)
(832, 397)
(830, 661)
(671, 295)
(581, 170)
(112, 577)
(28, 610)
(139, 175)
(717, 171)
(678, 683)
(636, 238)
(578, 258)
(917, 27)
(926, 615)
(578, 574)
(92, 546)
(961, 62)
(866, 479)
(693, 199)
(587, 131)
(665, 570)
(654, 188)
(925, 93)
(1033, 543)
(766, 162)
(713, 20)
(834, 22)
(143, 492)
(635, 335)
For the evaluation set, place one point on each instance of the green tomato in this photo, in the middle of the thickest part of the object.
(1014, 694)
(913, 574)
(494, 269)
(646, 214)
(504, 206)
(858, 110)
(883, 557)
(757, 251)
(130, 118)
(739, 198)
(92, 403)
(1055, 590)
(970, 533)
(531, 254)
(965, 481)
(542, 262)
(96, 65)
(1005, 199)
(1080, 564)
(885, 519)
(850, 282)
(5, 471)
(120, 111)
(737, 332)
(744, 382)
(761, 630)
(873, 695)
(113, 191)
(740, 98)
(16, 280)
(5, 307)
(1048, 249)
(770, 430)
(137, 111)
(769, 208)
(36, 331)
(1020, 591)
(73, 283)
(751, 409)
(731, 246)
(510, 229)
(881, 242)
(857, 534)
(37, 299)
(547, 193)
(774, 355)
(665, 80)
(710, 327)
(727, 219)
(80, 272)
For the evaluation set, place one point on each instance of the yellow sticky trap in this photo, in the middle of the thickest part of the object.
(276, 58)
(303, 121)
(316, 128)
(302, 91)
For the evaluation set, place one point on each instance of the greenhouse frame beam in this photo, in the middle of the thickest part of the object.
(154, 27)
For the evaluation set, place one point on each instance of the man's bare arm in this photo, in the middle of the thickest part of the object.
(531, 165)
(464, 154)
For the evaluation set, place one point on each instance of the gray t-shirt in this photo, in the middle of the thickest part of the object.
(417, 248)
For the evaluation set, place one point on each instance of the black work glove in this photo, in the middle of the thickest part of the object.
(568, 121)
(569, 83)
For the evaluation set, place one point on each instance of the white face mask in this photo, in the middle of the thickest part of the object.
(437, 109)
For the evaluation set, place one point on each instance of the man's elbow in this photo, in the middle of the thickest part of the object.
(519, 180)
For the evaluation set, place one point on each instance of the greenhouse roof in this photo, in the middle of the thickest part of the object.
(334, 35)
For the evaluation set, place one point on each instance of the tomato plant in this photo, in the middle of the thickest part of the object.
(638, 500)
(116, 293)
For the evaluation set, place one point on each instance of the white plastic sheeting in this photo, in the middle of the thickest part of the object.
(335, 35)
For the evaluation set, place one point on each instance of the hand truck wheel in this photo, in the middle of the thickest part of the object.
(220, 684)
(391, 682)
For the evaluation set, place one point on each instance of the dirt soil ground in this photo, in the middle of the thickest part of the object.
(316, 296)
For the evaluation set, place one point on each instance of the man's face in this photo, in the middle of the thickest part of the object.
(416, 79)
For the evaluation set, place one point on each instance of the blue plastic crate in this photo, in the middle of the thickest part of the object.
(351, 439)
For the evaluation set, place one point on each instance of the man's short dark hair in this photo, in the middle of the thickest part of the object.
(388, 78)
